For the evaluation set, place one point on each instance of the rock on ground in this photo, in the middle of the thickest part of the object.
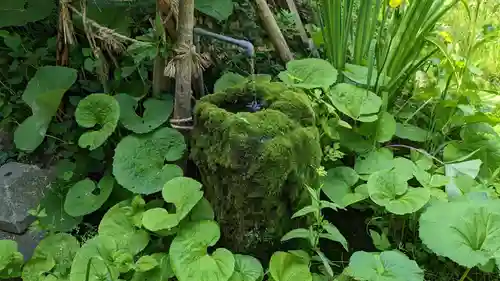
(21, 188)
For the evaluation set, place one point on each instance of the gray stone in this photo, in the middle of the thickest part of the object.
(21, 188)
(26, 242)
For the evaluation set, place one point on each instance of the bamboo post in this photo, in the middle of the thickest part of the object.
(182, 118)
(273, 30)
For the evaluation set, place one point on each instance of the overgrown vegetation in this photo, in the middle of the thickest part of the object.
(373, 156)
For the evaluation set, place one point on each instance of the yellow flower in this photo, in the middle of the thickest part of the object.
(446, 36)
(395, 3)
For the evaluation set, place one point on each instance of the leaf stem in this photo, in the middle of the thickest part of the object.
(465, 274)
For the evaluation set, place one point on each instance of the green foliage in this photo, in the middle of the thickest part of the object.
(21, 12)
(43, 94)
(122, 222)
(53, 256)
(138, 164)
(218, 9)
(471, 228)
(247, 268)
(303, 74)
(389, 189)
(11, 260)
(287, 267)
(156, 112)
(81, 199)
(184, 193)
(162, 270)
(97, 109)
(228, 80)
(189, 257)
(357, 103)
(390, 266)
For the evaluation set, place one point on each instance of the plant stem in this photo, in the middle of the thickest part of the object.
(465, 274)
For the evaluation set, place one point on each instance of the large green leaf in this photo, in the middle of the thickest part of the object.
(359, 75)
(467, 232)
(247, 268)
(43, 94)
(338, 182)
(355, 102)
(11, 260)
(162, 272)
(57, 249)
(56, 218)
(309, 73)
(374, 161)
(470, 168)
(118, 222)
(218, 9)
(189, 257)
(385, 266)
(390, 190)
(184, 193)
(97, 109)
(138, 164)
(386, 127)
(96, 260)
(21, 12)
(289, 267)
(156, 112)
(411, 132)
(81, 199)
(228, 80)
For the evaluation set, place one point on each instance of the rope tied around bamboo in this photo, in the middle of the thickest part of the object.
(199, 62)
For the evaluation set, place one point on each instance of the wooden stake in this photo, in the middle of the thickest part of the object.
(273, 30)
(183, 73)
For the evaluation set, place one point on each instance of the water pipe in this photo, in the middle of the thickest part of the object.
(198, 32)
(248, 46)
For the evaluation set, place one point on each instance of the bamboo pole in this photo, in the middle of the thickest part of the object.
(273, 30)
(184, 62)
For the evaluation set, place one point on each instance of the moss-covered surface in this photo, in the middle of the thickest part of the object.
(256, 147)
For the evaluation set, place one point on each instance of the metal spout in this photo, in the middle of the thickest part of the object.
(248, 46)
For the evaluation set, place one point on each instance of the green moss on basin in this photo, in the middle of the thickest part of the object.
(256, 147)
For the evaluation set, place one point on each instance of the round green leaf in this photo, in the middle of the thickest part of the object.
(118, 223)
(218, 9)
(56, 218)
(184, 193)
(386, 127)
(95, 261)
(97, 109)
(11, 260)
(357, 103)
(247, 268)
(387, 266)
(138, 164)
(289, 267)
(467, 232)
(228, 80)
(390, 190)
(145, 263)
(404, 167)
(156, 112)
(189, 257)
(374, 161)
(338, 182)
(359, 75)
(202, 211)
(81, 199)
(309, 73)
(53, 255)
(43, 94)
(162, 272)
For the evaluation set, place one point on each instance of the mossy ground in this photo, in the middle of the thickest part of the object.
(255, 164)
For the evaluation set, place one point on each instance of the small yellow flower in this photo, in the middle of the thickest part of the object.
(446, 36)
(321, 171)
(395, 3)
